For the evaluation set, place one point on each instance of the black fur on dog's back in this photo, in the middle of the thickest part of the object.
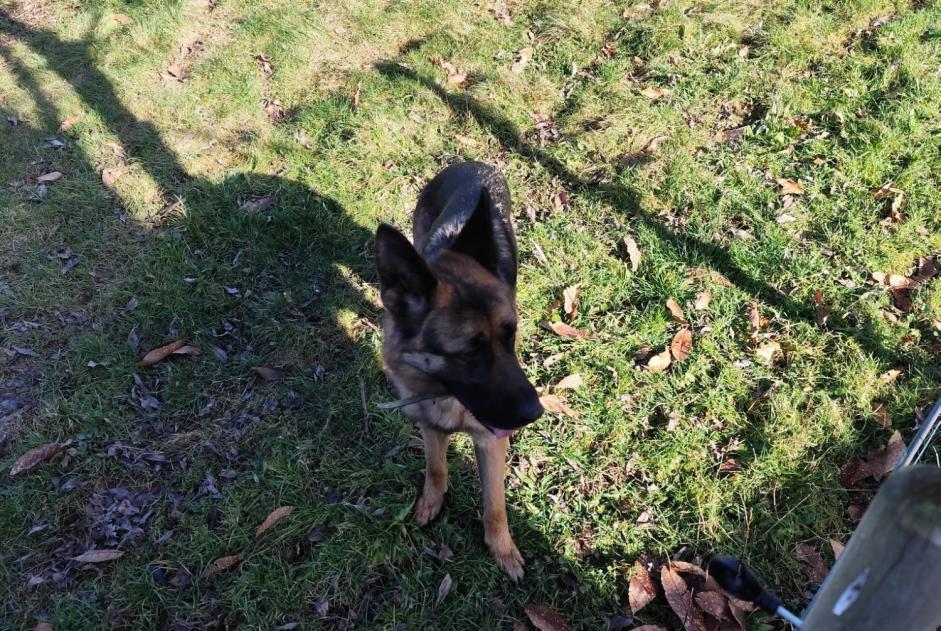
(466, 208)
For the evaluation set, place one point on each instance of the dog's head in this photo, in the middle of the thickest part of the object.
(457, 322)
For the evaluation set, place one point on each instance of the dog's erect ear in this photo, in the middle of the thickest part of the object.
(405, 282)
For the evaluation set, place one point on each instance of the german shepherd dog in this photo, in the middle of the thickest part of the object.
(449, 336)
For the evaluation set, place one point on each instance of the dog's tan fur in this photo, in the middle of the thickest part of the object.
(450, 321)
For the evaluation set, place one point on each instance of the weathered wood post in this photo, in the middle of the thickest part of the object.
(889, 575)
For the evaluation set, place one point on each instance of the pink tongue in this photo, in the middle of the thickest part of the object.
(501, 433)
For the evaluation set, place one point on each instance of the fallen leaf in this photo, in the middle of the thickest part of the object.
(444, 588)
(619, 622)
(673, 421)
(653, 93)
(714, 604)
(522, 59)
(754, 320)
(572, 382)
(878, 463)
(564, 330)
(176, 71)
(258, 204)
(641, 589)
(789, 186)
(784, 218)
(738, 612)
(890, 375)
(546, 619)
(502, 13)
(654, 143)
(837, 549)
(816, 570)
(702, 301)
(269, 374)
(560, 201)
(681, 345)
(46, 178)
(35, 457)
(885, 191)
(121, 18)
(161, 353)
(676, 311)
(570, 297)
(98, 556)
(274, 110)
(69, 122)
(187, 350)
(881, 415)
(823, 312)
(767, 351)
(680, 598)
(110, 176)
(556, 405)
(274, 517)
(659, 362)
(633, 252)
(264, 65)
(221, 564)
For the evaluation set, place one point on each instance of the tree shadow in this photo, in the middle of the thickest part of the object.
(625, 201)
(304, 256)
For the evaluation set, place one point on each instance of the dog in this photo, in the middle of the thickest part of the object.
(449, 336)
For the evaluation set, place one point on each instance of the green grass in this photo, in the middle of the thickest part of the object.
(831, 102)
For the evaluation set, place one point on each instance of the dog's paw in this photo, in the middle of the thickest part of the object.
(510, 561)
(427, 507)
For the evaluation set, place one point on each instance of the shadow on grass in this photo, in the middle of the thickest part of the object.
(302, 254)
(693, 250)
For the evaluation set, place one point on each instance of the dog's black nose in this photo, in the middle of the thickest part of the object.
(529, 410)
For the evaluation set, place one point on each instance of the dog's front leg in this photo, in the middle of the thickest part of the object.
(436, 474)
(491, 462)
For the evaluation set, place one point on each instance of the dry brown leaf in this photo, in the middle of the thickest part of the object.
(702, 301)
(659, 362)
(444, 588)
(110, 176)
(738, 612)
(885, 191)
(176, 71)
(69, 122)
(564, 330)
(641, 590)
(269, 374)
(823, 312)
(816, 570)
(681, 345)
(556, 405)
(784, 218)
(221, 565)
(502, 12)
(572, 382)
(714, 604)
(653, 93)
(116, 149)
(161, 353)
(35, 457)
(98, 556)
(546, 619)
(881, 415)
(882, 462)
(837, 549)
(570, 298)
(754, 320)
(789, 186)
(654, 143)
(264, 65)
(680, 598)
(121, 18)
(767, 351)
(560, 201)
(48, 178)
(187, 350)
(890, 375)
(676, 311)
(633, 252)
(274, 517)
(522, 59)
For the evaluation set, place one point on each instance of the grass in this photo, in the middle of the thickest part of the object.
(832, 99)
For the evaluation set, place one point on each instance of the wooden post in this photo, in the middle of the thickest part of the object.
(889, 575)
